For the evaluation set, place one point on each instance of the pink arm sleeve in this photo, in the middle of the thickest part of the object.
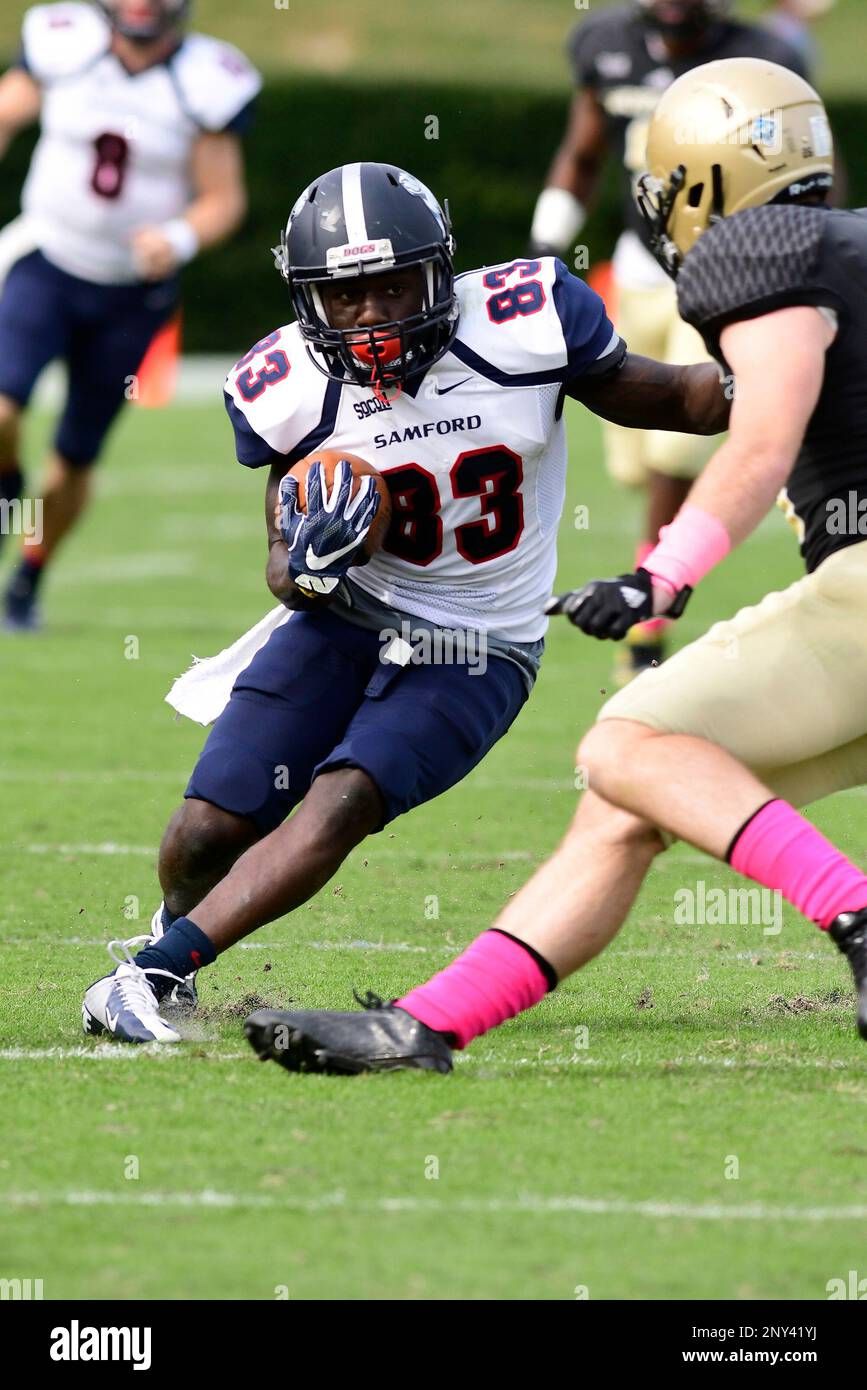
(693, 543)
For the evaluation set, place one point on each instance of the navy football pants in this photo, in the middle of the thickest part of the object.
(316, 697)
(101, 331)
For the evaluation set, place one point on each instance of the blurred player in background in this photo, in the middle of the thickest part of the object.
(138, 167)
(453, 389)
(766, 712)
(790, 20)
(623, 59)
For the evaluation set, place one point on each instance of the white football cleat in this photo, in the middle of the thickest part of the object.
(125, 1004)
(183, 998)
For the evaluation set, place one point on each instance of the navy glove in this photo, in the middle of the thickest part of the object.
(325, 543)
(610, 607)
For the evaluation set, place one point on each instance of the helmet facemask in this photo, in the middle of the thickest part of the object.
(386, 355)
(655, 200)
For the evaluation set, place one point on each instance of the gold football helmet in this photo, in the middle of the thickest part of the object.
(725, 136)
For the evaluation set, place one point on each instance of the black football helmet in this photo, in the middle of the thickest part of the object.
(149, 24)
(682, 19)
(363, 219)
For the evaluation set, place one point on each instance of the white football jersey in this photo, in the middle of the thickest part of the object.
(474, 453)
(114, 149)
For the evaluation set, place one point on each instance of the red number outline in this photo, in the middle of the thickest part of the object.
(491, 503)
(407, 518)
(251, 384)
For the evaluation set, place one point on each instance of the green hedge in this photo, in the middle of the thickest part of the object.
(489, 159)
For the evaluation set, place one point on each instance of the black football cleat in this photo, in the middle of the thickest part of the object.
(849, 930)
(383, 1038)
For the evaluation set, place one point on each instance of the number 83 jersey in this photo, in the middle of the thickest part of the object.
(114, 149)
(473, 452)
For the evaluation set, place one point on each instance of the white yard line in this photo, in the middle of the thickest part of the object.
(529, 1204)
(483, 781)
(438, 857)
(501, 1062)
(79, 775)
(108, 847)
(100, 1052)
(633, 1058)
(709, 955)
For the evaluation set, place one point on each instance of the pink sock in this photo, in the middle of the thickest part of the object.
(779, 849)
(492, 980)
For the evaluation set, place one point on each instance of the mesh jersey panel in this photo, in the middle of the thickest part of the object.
(755, 261)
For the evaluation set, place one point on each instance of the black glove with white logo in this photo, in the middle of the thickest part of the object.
(610, 607)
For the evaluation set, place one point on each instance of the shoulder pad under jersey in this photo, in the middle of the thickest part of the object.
(530, 322)
(60, 40)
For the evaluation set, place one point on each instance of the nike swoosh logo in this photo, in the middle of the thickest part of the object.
(444, 390)
(111, 1022)
(320, 562)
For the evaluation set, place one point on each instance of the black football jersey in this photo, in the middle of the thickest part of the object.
(767, 258)
(625, 63)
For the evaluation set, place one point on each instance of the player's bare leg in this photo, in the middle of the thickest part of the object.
(576, 902)
(11, 480)
(222, 882)
(698, 791)
(287, 867)
(200, 844)
(275, 875)
(690, 787)
(199, 847)
(564, 916)
(65, 493)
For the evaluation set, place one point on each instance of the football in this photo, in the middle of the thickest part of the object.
(329, 458)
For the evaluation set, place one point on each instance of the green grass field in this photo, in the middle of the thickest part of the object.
(560, 1165)
(490, 42)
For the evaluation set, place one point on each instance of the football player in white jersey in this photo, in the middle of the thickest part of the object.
(137, 168)
(454, 389)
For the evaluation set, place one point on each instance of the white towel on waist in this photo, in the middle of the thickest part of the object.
(17, 239)
(202, 693)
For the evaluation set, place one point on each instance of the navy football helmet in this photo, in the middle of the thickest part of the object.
(363, 219)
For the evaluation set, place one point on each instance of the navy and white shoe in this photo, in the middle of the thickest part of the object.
(183, 998)
(125, 1004)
